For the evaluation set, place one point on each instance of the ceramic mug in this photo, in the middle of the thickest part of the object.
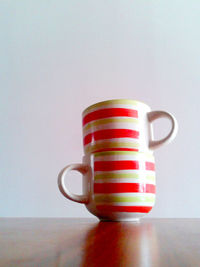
(122, 124)
(117, 185)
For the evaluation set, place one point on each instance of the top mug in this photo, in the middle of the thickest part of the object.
(123, 124)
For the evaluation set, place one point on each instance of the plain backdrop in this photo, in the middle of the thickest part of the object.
(58, 57)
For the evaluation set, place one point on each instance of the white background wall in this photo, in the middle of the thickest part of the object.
(58, 57)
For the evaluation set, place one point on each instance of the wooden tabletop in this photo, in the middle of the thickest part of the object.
(88, 242)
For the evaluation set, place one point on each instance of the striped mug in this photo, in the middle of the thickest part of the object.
(122, 124)
(117, 185)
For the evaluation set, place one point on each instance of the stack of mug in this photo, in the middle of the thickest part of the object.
(118, 164)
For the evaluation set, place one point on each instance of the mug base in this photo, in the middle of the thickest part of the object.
(135, 220)
(115, 216)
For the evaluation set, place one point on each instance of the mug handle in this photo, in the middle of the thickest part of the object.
(83, 169)
(154, 115)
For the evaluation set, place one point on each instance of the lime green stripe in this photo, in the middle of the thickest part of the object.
(112, 175)
(108, 175)
(132, 153)
(151, 178)
(112, 102)
(109, 198)
(110, 145)
(110, 120)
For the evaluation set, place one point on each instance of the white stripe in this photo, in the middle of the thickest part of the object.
(138, 157)
(150, 172)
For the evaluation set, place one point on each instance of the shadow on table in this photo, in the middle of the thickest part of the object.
(121, 244)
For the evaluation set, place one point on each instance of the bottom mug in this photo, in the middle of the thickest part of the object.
(117, 185)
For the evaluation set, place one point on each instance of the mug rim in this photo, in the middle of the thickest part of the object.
(114, 101)
(146, 154)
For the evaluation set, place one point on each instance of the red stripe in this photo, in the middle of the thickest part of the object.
(110, 133)
(116, 165)
(150, 166)
(104, 188)
(117, 149)
(110, 112)
(141, 209)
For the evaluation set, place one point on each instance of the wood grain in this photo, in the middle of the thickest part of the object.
(88, 242)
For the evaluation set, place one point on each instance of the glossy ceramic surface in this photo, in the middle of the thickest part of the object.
(117, 185)
(122, 124)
